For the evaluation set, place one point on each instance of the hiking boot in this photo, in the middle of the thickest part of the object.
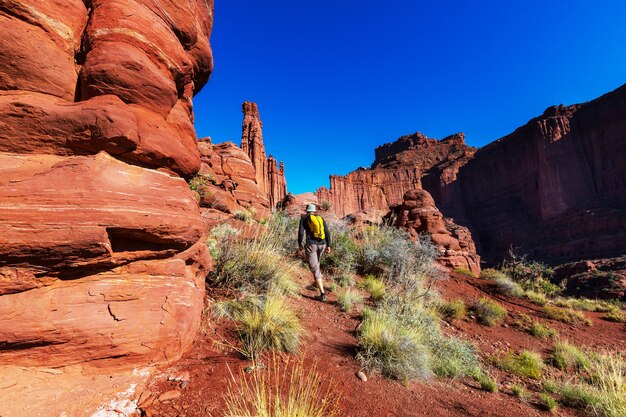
(321, 297)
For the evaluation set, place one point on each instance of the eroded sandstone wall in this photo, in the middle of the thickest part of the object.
(554, 189)
(399, 167)
(102, 252)
(270, 176)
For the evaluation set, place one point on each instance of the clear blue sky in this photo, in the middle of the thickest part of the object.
(336, 78)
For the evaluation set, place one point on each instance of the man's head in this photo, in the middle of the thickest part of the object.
(310, 208)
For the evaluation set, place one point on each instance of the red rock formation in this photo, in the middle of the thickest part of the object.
(233, 185)
(399, 167)
(419, 215)
(554, 189)
(603, 278)
(270, 177)
(101, 255)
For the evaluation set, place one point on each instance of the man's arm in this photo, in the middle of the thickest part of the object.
(301, 232)
(327, 234)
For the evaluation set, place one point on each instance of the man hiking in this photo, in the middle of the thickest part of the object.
(317, 240)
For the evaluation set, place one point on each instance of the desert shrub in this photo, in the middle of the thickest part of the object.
(404, 342)
(465, 271)
(281, 391)
(223, 232)
(244, 215)
(584, 304)
(199, 184)
(486, 381)
(548, 402)
(536, 297)
(531, 275)
(492, 274)
(348, 298)
(603, 393)
(520, 392)
(525, 364)
(451, 310)
(388, 253)
(283, 229)
(343, 257)
(489, 312)
(566, 356)
(452, 357)
(263, 323)
(566, 315)
(345, 280)
(256, 265)
(393, 348)
(542, 331)
(375, 286)
(509, 287)
(325, 205)
(616, 315)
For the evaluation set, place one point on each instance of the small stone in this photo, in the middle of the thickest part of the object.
(181, 376)
(361, 375)
(169, 395)
(145, 399)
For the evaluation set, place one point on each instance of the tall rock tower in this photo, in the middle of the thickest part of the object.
(270, 176)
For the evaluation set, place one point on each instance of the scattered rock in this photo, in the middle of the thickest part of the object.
(169, 395)
(361, 375)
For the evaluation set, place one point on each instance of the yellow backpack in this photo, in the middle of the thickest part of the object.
(316, 226)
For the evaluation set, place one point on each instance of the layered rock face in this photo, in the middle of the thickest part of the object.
(102, 254)
(270, 177)
(418, 215)
(233, 181)
(554, 189)
(399, 167)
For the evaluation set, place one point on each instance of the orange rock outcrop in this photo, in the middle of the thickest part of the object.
(102, 247)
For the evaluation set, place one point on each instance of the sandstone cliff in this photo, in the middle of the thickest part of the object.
(102, 253)
(554, 189)
(419, 215)
(269, 176)
(399, 167)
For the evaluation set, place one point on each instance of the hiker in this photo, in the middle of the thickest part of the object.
(317, 240)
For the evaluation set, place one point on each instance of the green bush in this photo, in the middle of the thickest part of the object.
(199, 184)
(244, 215)
(343, 257)
(345, 280)
(536, 297)
(489, 312)
(263, 323)
(325, 205)
(348, 298)
(493, 274)
(525, 364)
(486, 381)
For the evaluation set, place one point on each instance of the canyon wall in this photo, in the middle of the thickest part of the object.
(399, 167)
(554, 189)
(270, 177)
(102, 247)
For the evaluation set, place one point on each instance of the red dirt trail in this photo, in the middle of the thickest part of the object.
(330, 341)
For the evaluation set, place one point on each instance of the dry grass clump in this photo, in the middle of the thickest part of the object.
(489, 312)
(542, 331)
(601, 389)
(465, 271)
(584, 304)
(566, 315)
(263, 323)
(375, 286)
(348, 298)
(255, 265)
(281, 391)
(525, 364)
(568, 357)
(616, 315)
(451, 310)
